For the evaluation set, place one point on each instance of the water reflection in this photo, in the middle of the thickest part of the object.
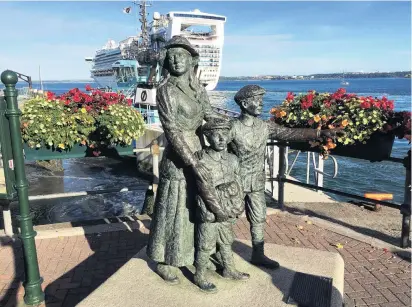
(82, 175)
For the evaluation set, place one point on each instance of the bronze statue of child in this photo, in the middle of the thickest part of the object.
(248, 138)
(214, 234)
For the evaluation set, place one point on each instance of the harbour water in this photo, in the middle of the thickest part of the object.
(354, 176)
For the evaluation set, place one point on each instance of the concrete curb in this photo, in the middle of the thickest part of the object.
(142, 222)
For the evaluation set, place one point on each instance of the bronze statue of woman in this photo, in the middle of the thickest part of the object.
(183, 105)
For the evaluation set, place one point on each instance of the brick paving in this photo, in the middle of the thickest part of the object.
(72, 267)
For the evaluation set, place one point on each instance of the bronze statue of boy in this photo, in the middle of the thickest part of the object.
(214, 234)
(248, 139)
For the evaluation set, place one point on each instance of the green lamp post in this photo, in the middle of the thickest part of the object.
(32, 284)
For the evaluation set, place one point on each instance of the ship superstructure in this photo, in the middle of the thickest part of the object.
(103, 72)
(134, 61)
(204, 31)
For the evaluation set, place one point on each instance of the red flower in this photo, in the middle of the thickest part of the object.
(305, 103)
(310, 98)
(76, 98)
(88, 87)
(365, 105)
(290, 96)
(50, 95)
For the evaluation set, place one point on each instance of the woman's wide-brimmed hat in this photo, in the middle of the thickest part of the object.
(182, 42)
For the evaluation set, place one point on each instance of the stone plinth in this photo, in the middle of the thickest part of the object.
(136, 284)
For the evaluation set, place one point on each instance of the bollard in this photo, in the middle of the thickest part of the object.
(406, 206)
(32, 284)
(281, 176)
(7, 221)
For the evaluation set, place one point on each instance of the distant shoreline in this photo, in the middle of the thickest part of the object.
(375, 75)
(397, 74)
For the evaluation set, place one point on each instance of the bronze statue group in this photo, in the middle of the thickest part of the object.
(203, 189)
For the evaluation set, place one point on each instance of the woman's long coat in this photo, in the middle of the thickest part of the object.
(181, 111)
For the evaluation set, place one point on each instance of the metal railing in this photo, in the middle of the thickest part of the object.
(404, 208)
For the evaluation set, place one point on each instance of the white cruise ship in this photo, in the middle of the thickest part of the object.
(116, 65)
(103, 72)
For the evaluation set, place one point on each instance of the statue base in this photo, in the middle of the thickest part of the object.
(136, 283)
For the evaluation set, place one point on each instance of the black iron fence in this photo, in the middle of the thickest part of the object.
(404, 208)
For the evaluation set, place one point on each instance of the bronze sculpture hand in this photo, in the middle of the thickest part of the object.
(332, 133)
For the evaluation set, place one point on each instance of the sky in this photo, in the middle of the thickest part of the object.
(261, 38)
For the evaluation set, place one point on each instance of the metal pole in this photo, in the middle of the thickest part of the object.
(281, 177)
(406, 206)
(275, 169)
(32, 284)
(320, 175)
(308, 167)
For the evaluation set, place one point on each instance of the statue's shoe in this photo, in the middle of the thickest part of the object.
(166, 272)
(263, 261)
(205, 285)
(235, 275)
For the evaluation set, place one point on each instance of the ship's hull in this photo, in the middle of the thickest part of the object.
(105, 81)
(211, 86)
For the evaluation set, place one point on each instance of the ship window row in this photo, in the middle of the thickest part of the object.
(210, 48)
(209, 55)
(197, 16)
(209, 60)
(111, 60)
(103, 73)
(105, 54)
(105, 64)
(208, 64)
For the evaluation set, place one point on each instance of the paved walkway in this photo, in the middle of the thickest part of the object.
(73, 266)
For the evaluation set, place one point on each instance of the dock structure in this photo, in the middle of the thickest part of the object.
(297, 194)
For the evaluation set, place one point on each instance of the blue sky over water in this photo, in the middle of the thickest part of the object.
(260, 37)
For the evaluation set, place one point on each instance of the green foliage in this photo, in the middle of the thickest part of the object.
(49, 123)
(52, 122)
(359, 117)
(120, 124)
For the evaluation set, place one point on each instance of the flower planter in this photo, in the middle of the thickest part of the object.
(377, 148)
(78, 151)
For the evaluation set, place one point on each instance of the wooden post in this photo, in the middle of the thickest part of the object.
(155, 151)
